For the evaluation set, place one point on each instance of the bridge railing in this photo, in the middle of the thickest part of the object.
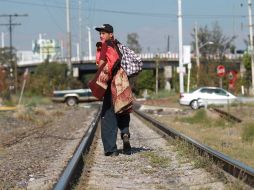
(144, 56)
(169, 56)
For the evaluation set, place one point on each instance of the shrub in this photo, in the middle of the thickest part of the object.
(51, 76)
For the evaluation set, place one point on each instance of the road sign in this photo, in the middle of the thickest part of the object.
(186, 54)
(183, 70)
(220, 70)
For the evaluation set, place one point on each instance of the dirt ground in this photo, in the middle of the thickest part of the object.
(37, 142)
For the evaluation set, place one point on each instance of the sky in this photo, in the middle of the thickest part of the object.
(153, 20)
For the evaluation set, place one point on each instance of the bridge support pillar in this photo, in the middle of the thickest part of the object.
(168, 76)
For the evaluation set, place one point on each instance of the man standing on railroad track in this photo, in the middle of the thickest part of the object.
(117, 100)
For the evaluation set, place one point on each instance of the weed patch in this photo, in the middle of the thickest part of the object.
(248, 132)
(201, 117)
(148, 170)
(156, 160)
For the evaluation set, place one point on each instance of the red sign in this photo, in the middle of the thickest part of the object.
(232, 76)
(220, 70)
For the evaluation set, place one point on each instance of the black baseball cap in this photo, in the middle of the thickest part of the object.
(106, 28)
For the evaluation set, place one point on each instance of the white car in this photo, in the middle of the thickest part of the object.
(206, 96)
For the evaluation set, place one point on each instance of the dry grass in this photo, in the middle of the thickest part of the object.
(23, 113)
(220, 135)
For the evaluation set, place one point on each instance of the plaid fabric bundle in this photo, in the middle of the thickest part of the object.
(131, 62)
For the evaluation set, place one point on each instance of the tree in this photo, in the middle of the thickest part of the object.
(145, 81)
(133, 43)
(247, 80)
(6, 59)
(51, 76)
(221, 43)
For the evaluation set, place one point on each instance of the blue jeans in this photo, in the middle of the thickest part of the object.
(110, 122)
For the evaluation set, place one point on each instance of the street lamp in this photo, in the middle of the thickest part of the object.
(197, 55)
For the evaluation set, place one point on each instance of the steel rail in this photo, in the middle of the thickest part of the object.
(233, 167)
(227, 115)
(74, 167)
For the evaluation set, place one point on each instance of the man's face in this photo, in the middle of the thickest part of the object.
(105, 36)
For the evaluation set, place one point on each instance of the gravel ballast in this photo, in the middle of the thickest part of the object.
(34, 151)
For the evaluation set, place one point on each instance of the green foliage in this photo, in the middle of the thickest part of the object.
(86, 78)
(207, 75)
(175, 81)
(247, 64)
(8, 102)
(6, 57)
(247, 61)
(156, 160)
(163, 94)
(51, 76)
(200, 117)
(33, 100)
(145, 80)
(248, 132)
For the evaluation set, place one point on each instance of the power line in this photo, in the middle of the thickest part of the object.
(53, 18)
(159, 15)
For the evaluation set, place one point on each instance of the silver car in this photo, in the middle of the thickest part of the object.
(73, 97)
(206, 96)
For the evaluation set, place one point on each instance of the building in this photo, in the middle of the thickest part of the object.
(42, 49)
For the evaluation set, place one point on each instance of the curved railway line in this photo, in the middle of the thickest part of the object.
(175, 174)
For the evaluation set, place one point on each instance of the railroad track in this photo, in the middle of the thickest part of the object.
(226, 115)
(104, 171)
(74, 168)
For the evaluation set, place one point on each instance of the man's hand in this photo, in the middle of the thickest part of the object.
(104, 75)
(101, 62)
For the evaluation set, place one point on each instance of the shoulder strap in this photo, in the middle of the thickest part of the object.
(117, 43)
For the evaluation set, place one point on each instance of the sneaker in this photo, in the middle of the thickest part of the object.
(112, 154)
(126, 144)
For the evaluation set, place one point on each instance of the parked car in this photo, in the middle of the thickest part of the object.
(73, 97)
(206, 96)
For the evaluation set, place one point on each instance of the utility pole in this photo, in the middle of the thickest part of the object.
(2, 39)
(10, 25)
(251, 43)
(197, 52)
(180, 36)
(78, 51)
(89, 43)
(157, 74)
(68, 25)
(80, 31)
(62, 50)
(168, 44)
